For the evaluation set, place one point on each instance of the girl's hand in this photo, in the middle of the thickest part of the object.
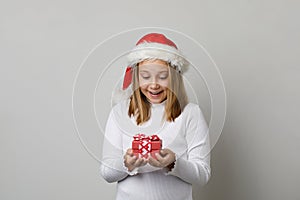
(131, 161)
(165, 158)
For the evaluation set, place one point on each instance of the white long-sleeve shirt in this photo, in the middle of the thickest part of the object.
(187, 137)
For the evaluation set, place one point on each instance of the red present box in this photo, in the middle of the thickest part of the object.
(143, 145)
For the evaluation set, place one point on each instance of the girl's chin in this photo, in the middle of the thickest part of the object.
(155, 98)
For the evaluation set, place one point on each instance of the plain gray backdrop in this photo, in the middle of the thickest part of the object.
(254, 43)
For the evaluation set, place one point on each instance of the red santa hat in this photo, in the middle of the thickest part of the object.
(153, 46)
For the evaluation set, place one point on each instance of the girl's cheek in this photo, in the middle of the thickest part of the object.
(143, 84)
(164, 83)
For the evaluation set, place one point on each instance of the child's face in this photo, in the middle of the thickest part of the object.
(154, 80)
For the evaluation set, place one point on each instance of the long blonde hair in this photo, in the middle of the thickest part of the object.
(175, 102)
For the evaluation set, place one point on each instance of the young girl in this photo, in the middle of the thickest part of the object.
(157, 106)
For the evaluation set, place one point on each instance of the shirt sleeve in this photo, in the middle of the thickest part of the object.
(195, 169)
(112, 167)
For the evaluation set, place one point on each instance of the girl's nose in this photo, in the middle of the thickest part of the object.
(154, 85)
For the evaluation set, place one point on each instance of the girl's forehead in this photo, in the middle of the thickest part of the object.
(153, 67)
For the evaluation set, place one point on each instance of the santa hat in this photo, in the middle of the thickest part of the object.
(153, 46)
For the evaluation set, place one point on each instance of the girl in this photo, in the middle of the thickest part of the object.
(158, 106)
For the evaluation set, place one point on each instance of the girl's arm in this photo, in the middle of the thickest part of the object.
(112, 166)
(194, 169)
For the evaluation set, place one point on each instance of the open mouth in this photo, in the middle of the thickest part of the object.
(155, 93)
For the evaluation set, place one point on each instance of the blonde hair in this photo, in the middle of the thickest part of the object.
(176, 100)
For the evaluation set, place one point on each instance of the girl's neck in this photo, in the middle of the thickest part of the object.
(158, 104)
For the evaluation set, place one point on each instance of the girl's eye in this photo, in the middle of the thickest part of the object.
(163, 77)
(146, 77)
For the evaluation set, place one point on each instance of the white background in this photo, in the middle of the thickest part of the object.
(254, 43)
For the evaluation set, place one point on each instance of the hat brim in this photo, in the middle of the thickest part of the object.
(166, 53)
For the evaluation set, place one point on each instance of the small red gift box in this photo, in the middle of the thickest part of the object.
(143, 145)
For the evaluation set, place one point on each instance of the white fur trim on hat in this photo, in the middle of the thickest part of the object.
(159, 51)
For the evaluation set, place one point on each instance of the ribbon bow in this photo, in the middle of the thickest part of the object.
(142, 136)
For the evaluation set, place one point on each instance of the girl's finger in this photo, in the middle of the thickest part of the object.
(159, 158)
(145, 161)
(131, 159)
(154, 162)
(129, 152)
(163, 152)
(138, 162)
